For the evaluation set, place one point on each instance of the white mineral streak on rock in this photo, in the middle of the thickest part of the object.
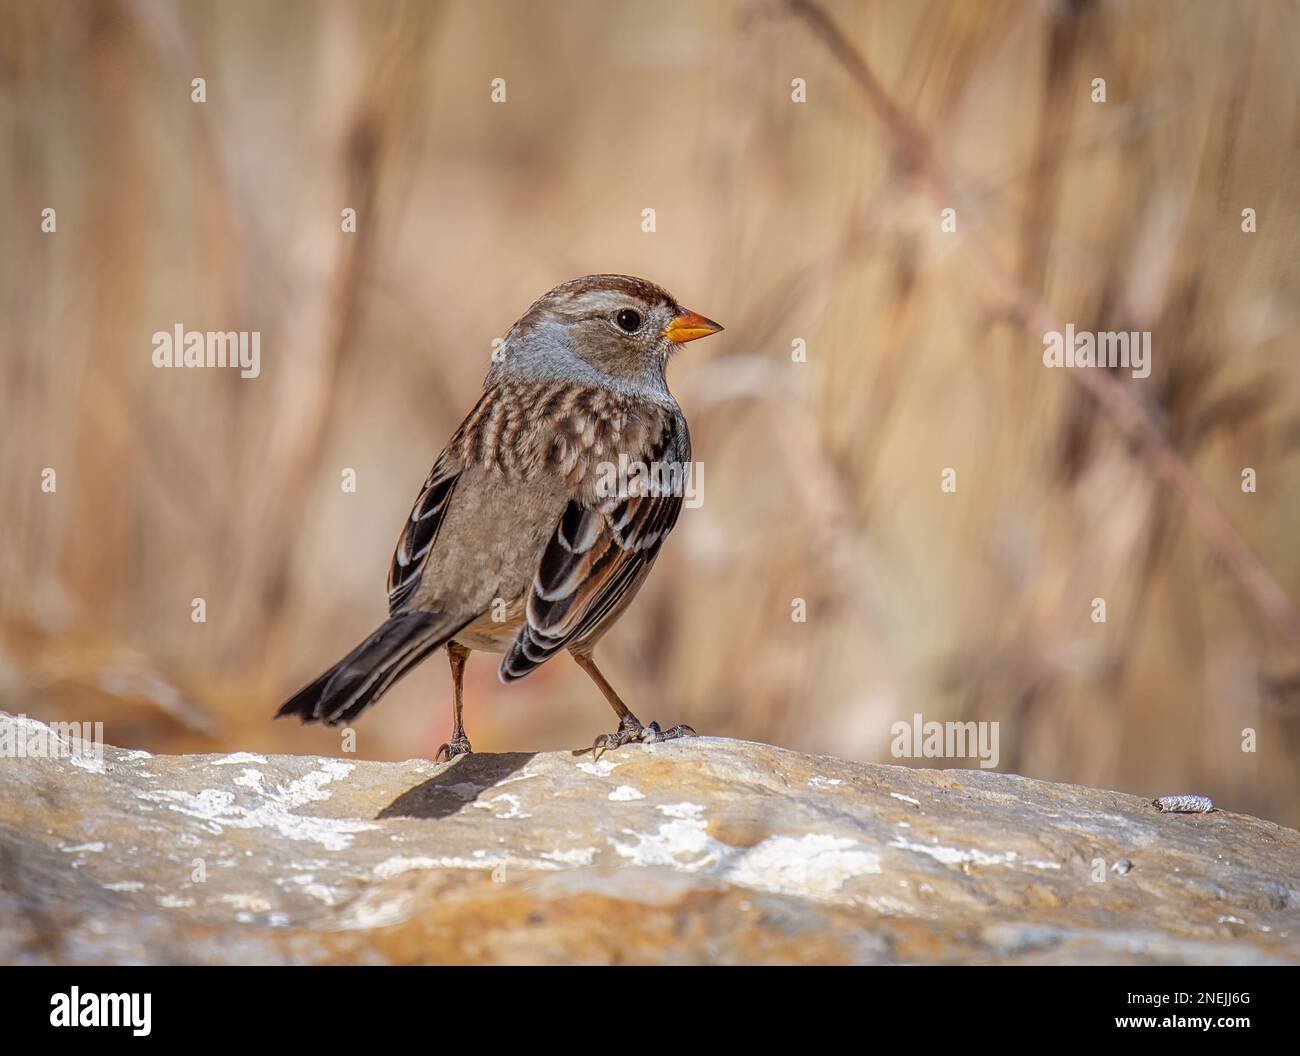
(625, 794)
(513, 807)
(526, 774)
(376, 911)
(602, 767)
(217, 809)
(246, 902)
(954, 855)
(331, 896)
(682, 843)
(397, 865)
(573, 856)
(686, 811)
(812, 865)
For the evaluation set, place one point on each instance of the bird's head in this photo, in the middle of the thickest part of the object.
(617, 327)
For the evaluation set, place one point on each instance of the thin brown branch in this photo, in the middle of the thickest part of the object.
(913, 150)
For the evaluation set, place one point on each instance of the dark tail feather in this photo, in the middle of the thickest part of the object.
(365, 674)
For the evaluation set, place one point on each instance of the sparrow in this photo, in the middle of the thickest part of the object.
(533, 533)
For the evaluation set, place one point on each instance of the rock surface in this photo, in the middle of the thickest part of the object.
(702, 850)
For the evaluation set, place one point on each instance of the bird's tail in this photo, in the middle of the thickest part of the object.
(366, 673)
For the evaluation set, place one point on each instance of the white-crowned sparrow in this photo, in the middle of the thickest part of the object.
(518, 544)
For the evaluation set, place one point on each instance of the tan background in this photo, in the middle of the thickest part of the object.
(782, 221)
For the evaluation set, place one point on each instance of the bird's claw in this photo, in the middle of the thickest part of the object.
(457, 746)
(630, 730)
(654, 733)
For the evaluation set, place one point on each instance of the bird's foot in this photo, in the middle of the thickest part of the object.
(630, 729)
(457, 746)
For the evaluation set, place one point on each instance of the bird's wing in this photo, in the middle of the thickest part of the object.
(420, 531)
(597, 554)
(489, 433)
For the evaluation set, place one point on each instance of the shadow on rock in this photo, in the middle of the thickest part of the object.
(456, 787)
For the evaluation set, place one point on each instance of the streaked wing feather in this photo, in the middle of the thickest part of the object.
(593, 559)
(420, 532)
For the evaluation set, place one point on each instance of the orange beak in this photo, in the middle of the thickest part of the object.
(690, 327)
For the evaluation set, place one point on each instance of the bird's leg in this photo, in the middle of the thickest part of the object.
(629, 726)
(459, 743)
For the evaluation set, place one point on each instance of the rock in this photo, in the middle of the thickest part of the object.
(703, 850)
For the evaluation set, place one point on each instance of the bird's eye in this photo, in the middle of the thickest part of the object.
(628, 320)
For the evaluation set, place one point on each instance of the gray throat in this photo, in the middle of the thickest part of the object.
(549, 356)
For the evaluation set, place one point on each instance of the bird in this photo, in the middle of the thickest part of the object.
(533, 531)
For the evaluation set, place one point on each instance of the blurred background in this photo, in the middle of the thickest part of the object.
(785, 221)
